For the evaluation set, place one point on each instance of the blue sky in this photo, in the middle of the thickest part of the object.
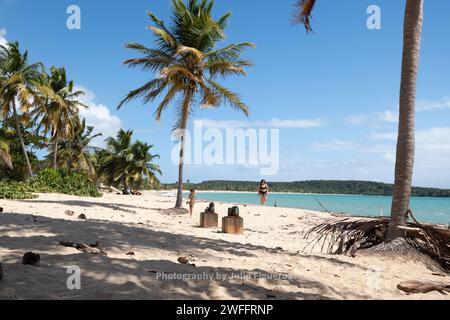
(343, 81)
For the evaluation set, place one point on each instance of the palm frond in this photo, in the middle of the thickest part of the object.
(229, 97)
(304, 11)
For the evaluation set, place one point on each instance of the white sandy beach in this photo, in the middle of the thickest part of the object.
(271, 245)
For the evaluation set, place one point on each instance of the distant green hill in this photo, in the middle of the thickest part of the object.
(319, 187)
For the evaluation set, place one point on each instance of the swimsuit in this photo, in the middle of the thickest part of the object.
(263, 190)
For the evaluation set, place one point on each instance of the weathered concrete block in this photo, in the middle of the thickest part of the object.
(209, 220)
(233, 225)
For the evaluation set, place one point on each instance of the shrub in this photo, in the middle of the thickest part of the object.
(13, 190)
(61, 181)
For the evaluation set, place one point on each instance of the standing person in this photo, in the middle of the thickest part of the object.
(263, 192)
(191, 201)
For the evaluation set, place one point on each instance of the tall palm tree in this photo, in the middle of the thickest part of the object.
(58, 111)
(76, 153)
(187, 64)
(18, 86)
(412, 36)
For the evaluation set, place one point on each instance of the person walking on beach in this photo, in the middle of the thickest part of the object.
(263, 192)
(191, 201)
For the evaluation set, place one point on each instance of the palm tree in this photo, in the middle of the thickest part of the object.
(113, 160)
(406, 132)
(18, 86)
(58, 112)
(141, 167)
(76, 153)
(128, 163)
(187, 64)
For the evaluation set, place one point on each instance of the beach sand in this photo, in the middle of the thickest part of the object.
(267, 262)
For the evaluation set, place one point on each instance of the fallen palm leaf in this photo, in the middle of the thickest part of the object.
(348, 235)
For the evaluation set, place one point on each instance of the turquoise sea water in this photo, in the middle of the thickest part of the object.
(435, 210)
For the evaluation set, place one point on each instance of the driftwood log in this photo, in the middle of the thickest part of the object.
(91, 249)
(411, 287)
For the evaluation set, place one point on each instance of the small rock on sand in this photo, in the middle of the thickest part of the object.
(1, 210)
(82, 217)
(185, 261)
(31, 258)
(69, 213)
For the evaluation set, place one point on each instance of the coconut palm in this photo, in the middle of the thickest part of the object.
(128, 163)
(141, 167)
(58, 111)
(76, 153)
(406, 133)
(113, 159)
(187, 65)
(17, 87)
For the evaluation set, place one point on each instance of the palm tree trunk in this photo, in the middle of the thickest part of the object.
(189, 93)
(406, 132)
(22, 143)
(179, 203)
(55, 152)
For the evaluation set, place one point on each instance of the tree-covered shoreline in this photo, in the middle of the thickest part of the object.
(368, 188)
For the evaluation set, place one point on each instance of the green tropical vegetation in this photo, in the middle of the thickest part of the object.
(50, 181)
(58, 111)
(187, 64)
(5, 156)
(33, 141)
(128, 164)
(18, 88)
(77, 153)
(316, 187)
(41, 111)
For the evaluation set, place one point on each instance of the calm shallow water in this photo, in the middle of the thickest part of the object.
(435, 210)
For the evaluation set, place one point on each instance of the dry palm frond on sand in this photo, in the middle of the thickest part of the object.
(348, 235)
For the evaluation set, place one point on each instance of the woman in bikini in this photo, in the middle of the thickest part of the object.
(263, 192)
(191, 201)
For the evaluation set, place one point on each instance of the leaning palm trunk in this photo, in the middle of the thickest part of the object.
(22, 143)
(406, 132)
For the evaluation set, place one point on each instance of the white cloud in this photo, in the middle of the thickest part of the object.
(432, 167)
(274, 123)
(357, 119)
(388, 116)
(3, 40)
(384, 136)
(437, 139)
(373, 120)
(99, 116)
(336, 145)
(295, 123)
(429, 105)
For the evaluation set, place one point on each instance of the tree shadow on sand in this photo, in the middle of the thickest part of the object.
(89, 204)
(122, 278)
